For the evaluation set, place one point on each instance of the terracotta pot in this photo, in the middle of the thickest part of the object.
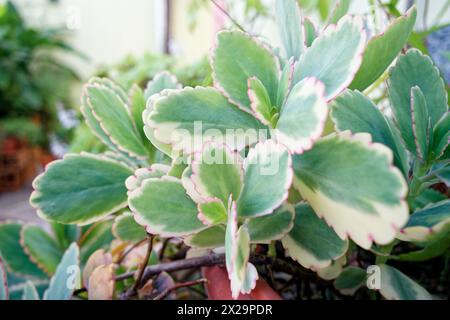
(218, 286)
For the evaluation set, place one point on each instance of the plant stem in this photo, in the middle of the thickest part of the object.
(144, 264)
(218, 6)
(167, 291)
(126, 253)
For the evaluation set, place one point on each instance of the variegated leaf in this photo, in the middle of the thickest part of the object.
(164, 208)
(420, 123)
(260, 103)
(217, 173)
(426, 222)
(267, 178)
(302, 117)
(231, 71)
(126, 228)
(311, 241)
(382, 49)
(212, 211)
(80, 189)
(271, 227)
(210, 238)
(41, 248)
(350, 280)
(141, 174)
(351, 182)
(242, 274)
(441, 137)
(13, 255)
(180, 118)
(161, 81)
(334, 57)
(397, 286)
(355, 112)
(115, 119)
(415, 69)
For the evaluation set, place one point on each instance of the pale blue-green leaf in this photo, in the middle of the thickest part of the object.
(290, 28)
(67, 276)
(30, 292)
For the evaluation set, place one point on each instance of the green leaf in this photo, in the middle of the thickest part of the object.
(444, 175)
(212, 212)
(164, 208)
(12, 253)
(284, 86)
(243, 275)
(96, 236)
(436, 245)
(259, 101)
(4, 292)
(420, 123)
(351, 182)
(310, 32)
(341, 9)
(426, 197)
(397, 286)
(303, 116)
(271, 227)
(126, 228)
(355, 112)
(334, 57)
(231, 71)
(65, 234)
(96, 129)
(350, 280)
(161, 81)
(267, 179)
(30, 292)
(80, 189)
(210, 238)
(42, 249)
(415, 69)
(382, 49)
(290, 28)
(441, 137)
(181, 117)
(137, 103)
(426, 222)
(115, 119)
(217, 173)
(311, 241)
(142, 174)
(66, 277)
(108, 83)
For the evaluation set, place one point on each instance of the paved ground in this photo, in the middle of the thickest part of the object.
(15, 206)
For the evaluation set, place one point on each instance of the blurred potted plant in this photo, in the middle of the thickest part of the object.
(32, 84)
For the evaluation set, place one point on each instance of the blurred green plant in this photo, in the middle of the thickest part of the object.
(32, 80)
